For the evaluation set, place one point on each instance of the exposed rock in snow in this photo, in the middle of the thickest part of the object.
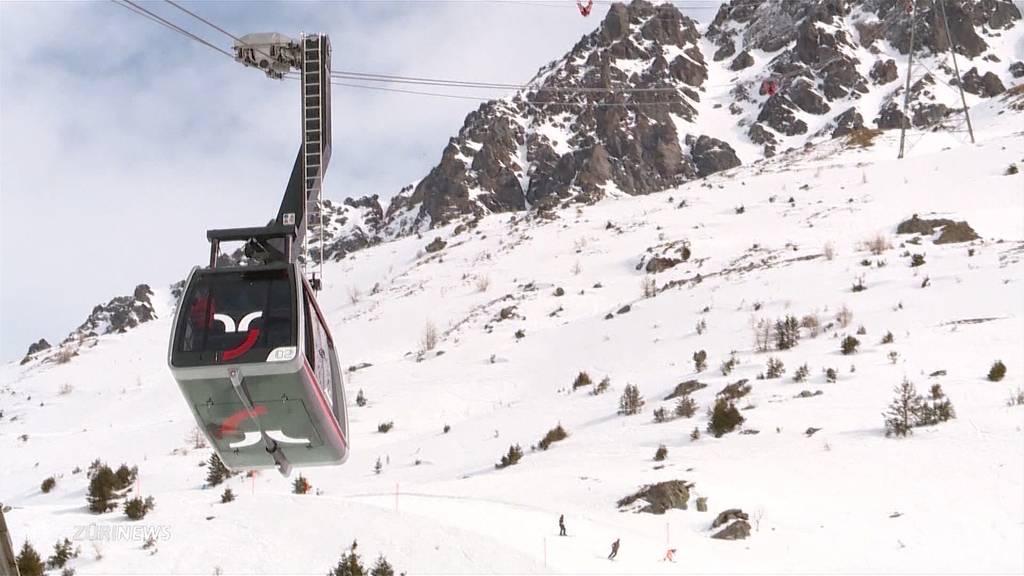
(659, 498)
(735, 522)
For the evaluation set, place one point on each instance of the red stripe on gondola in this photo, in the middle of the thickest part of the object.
(324, 405)
(250, 341)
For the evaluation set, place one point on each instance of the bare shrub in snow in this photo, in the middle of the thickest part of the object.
(724, 418)
(137, 508)
(937, 408)
(1016, 398)
(354, 295)
(878, 244)
(702, 327)
(64, 355)
(582, 379)
(849, 345)
(844, 317)
(483, 282)
(729, 364)
(775, 368)
(888, 338)
(904, 411)
(301, 485)
(801, 373)
(602, 386)
(385, 427)
(48, 484)
(648, 287)
(556, 434)
(700, 360)
(430, 337)
(829, 250)
(762, 335)
(514, 455)
(812, 324)
(787, 333)
(997, 371)
(196, 439)
(686, 407)
(661, 453)
(631, 402)
(661, 415)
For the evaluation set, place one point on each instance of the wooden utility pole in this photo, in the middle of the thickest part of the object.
(910, 69)
(956, 68)
(8, 567)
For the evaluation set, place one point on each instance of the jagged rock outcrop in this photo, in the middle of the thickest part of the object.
(117, 316)
(986, 85)
(618, 113)
(603, 118)
(353, 225)
(34, 348)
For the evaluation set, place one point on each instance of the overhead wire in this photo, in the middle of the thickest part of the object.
(130, 5)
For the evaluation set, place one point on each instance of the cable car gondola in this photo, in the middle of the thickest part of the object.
(250, 348)
(255, 360)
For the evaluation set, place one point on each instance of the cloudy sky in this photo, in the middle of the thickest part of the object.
(122, 142)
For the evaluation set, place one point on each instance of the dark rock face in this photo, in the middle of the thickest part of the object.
(353, 225)
(436, 245)
(777, 113)
(985, 86)
(952, 232)
(660, 264)
(552, 142)
(884, 72)
(612, 115)
(711, 155)
(890, 116)
(685, 389)
(742, 61)
(803, 94)
(35, 348)
(659, 498)
(847, 122)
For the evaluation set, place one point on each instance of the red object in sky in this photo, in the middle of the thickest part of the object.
(585, 6)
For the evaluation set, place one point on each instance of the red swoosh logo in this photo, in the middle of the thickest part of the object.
(250, 341)
(230, 424)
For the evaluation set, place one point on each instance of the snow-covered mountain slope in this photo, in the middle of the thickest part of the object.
(948, 498)
(650, 100)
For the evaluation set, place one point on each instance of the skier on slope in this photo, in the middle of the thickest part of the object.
(615, 550)
(561, 525)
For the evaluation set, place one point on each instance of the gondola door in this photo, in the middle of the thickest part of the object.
(318, 352)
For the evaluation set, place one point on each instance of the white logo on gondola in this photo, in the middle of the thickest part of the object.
(253, 438)
(243, 326)
(282, 354)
